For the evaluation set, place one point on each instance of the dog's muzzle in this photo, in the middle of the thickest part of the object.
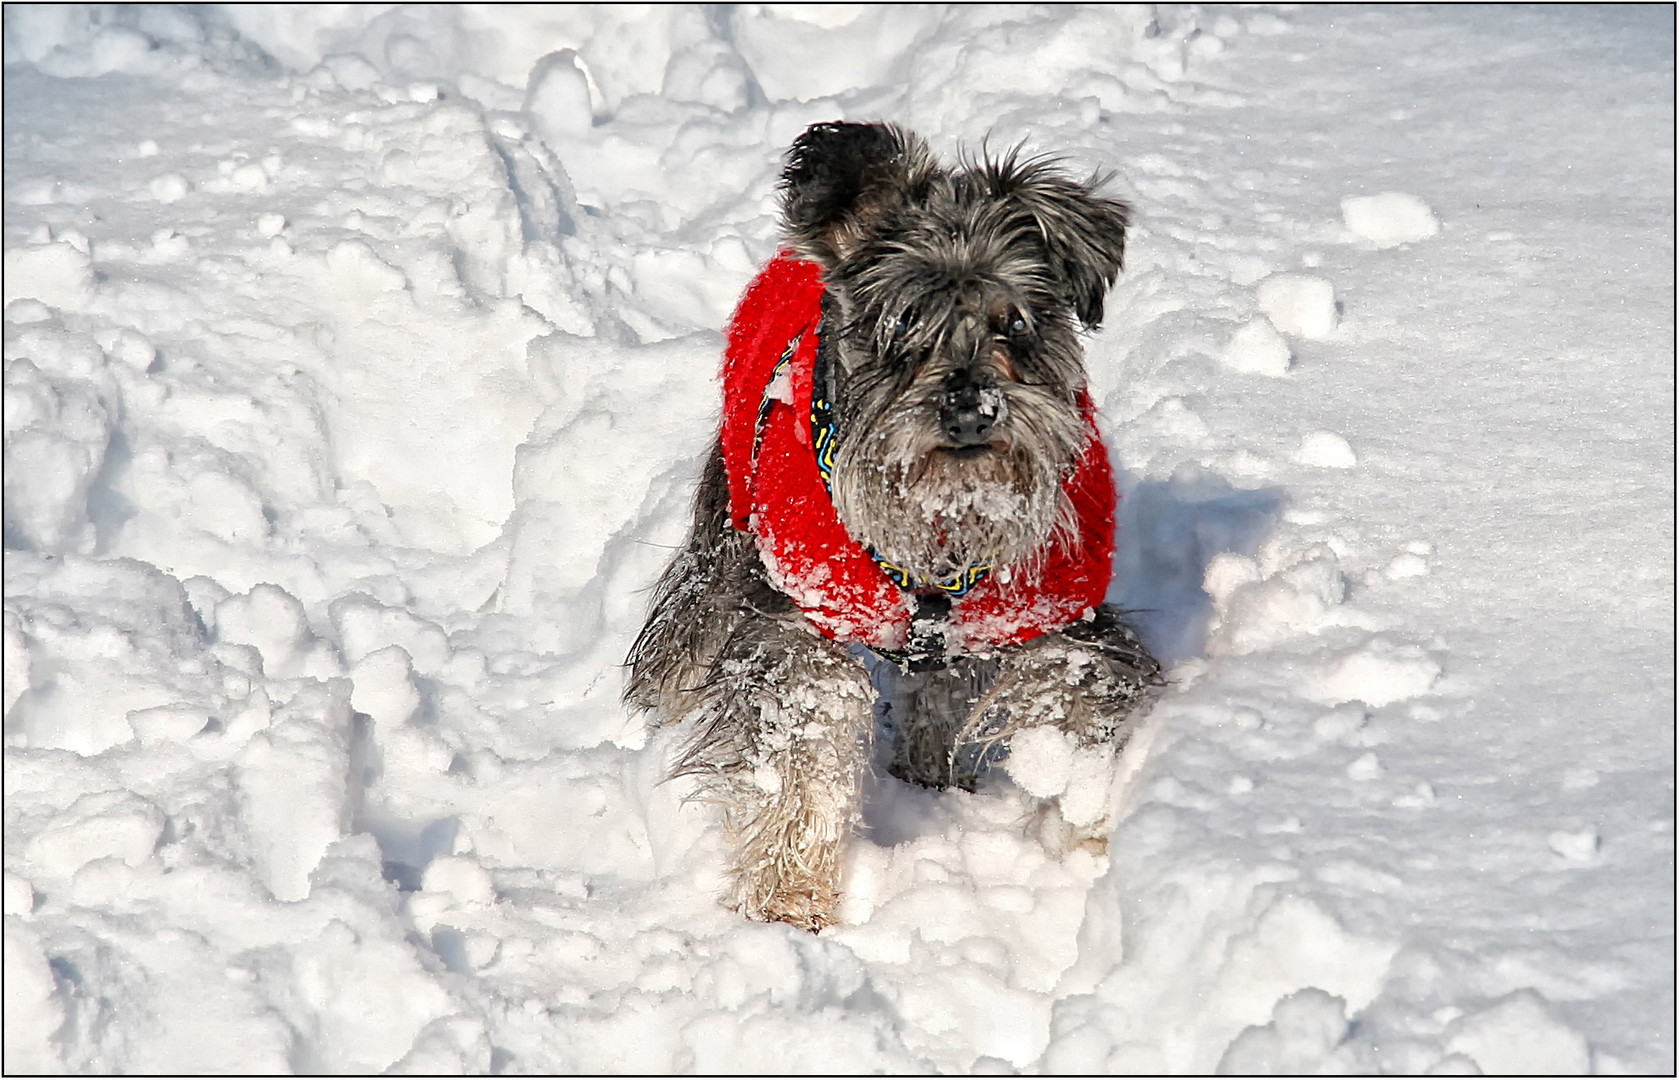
(969, 412)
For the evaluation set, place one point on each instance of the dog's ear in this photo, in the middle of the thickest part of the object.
(1083, 231)
(842, 179)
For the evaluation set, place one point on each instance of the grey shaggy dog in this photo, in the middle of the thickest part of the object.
(949, 351)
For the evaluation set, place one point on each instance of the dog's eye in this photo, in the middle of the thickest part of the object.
(1017, 325)
(900, 327)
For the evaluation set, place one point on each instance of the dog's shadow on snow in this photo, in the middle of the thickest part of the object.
(1169, 530)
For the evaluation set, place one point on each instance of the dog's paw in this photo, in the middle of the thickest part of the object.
(1087, 680)
(807, 909)
(1061, 837)
(1077, 690)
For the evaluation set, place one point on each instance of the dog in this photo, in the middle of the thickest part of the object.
(907, 463)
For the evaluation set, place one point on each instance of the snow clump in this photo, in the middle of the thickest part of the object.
(1257, 349)
(1389, 219)
(1301, 304)
(1326, 450)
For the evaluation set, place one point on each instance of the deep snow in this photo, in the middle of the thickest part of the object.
(359, 360)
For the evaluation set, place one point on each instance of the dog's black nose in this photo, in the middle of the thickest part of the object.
(969, 412)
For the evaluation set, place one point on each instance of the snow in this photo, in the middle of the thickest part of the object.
(1257, 349)
(1389, 219)
(1306, 1028)
(1520, 1035)
(359, 365)
(1302, 304)
(1326, 450)
(1041, 761)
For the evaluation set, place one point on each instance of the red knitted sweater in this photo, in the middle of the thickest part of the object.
(777, 494)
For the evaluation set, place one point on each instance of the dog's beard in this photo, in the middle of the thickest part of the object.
(934, 510)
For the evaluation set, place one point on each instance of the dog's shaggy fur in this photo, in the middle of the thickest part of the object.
(949, 351)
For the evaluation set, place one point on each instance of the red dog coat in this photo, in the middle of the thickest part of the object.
(776, 492)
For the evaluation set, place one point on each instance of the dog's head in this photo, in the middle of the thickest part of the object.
(950, 337)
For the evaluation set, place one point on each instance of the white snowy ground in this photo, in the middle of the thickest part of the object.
(358, 365)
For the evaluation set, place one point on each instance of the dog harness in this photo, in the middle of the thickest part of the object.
(778, 443)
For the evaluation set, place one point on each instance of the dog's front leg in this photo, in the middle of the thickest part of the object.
(1087, 679)
(780, 742)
